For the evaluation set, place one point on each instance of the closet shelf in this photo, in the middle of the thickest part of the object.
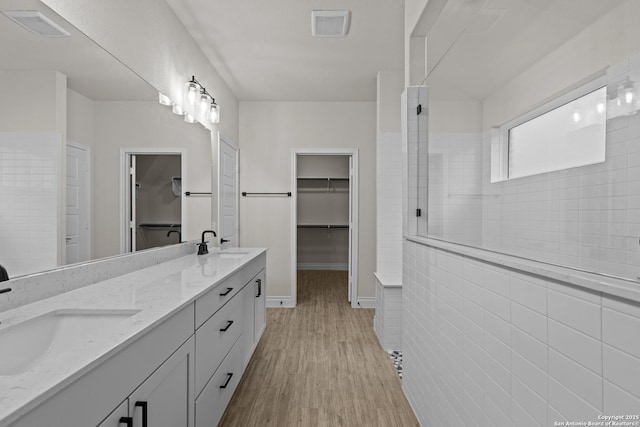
(158, 225)
(327, 226)
(321, 179)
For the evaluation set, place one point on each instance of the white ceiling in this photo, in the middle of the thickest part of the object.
(264, 50)
(90, 70)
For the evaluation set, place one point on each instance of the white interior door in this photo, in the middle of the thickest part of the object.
(133, 192)
(77, 212)
(350, 227)
(228, 194)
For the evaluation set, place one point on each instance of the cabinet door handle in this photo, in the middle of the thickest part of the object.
(229, 323)
(143, 405)
(126, 420)
(224, 294)
(259, 282)
(226, 383)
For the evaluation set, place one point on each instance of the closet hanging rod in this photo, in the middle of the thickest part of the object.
(245, 194)
(195, 193)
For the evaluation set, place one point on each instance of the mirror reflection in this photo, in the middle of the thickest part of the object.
(532, 124)
(72, 118)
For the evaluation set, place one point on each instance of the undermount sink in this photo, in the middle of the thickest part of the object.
(27, 343)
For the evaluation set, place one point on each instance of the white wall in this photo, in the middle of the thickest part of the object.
(268, 133)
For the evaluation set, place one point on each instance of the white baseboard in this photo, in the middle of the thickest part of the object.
(323, 266)
(280, 302)
(366, 302)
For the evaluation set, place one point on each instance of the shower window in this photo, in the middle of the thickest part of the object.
(565, 133)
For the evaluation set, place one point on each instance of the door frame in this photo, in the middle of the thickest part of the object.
(125, 156)
(218, 209)
(88, 239)
(354, 217)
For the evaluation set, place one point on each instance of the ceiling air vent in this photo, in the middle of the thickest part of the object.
(36, 22)
(330, 23)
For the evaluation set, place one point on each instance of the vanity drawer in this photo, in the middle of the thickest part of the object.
(213, 400)
(211, 302)
(215, 338)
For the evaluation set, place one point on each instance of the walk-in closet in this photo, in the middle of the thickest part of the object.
(323, 204)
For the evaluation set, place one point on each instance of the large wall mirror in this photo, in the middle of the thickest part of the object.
(73, 120)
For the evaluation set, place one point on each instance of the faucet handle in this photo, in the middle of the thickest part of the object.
(202, 248)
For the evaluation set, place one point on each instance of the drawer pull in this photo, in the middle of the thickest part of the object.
(259, 282)
(126, 420)
(224, 294)
(143, 405)
(226, 383)
(229, 323)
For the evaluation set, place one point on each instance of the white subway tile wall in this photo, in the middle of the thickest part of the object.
(586, 217)
(29, 197)
(389, 205)
(388, 319)
(530, 352)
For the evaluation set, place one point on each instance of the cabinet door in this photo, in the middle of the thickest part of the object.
(166, 398)
(260, 288)
(119, 414)
(248, 300)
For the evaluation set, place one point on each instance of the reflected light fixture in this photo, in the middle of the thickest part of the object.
(164, 99)
(189, 118)
(177, 109)
(600, 107)
(628, 93)
(577, 116)
(214, 112)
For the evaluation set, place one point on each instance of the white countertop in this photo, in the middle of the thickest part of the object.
(158, 292)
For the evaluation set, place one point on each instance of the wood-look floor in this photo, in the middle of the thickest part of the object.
(320, 364)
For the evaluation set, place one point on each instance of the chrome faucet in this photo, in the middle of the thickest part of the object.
(202, 247)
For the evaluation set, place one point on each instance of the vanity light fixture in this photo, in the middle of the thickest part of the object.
(206, 108)
(214, 112)
(192, 90)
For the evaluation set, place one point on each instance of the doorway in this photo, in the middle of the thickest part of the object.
(153, 204)
(77, 239)
(325, 216)
(228, 231)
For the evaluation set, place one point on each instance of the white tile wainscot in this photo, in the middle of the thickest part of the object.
(175, 312)
(387, 321)
(494, 340)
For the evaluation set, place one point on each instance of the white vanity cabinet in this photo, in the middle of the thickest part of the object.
(226, 340)
(165, 399)
(253, 324)
(181, 372)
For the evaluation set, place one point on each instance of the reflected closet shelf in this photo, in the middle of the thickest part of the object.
(325, 226)
(158, 225)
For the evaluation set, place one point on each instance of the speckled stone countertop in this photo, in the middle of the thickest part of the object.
(154, 292)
